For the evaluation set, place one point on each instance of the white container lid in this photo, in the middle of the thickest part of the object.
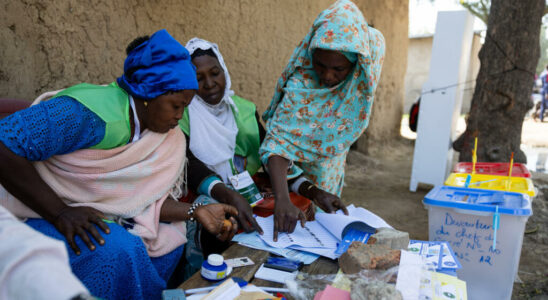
(215, 259)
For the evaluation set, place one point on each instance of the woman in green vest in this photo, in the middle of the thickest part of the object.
(96, 167)
(222, 130)
(224, 136)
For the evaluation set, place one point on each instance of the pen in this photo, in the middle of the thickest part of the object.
(480, 182)
(199, 290)
(209, 288)
(273, 289)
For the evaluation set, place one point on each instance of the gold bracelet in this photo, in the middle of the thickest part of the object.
(310, 186)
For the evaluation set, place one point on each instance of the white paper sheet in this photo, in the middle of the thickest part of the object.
(274, 275)
(247, 288)
(327, 252)
(337, 224)
(317, 238)
(312, 235)
(409, 275)
(252, 240)
(368, 217)
(227, 290)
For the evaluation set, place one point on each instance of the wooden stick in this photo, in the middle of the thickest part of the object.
(474, 155)
(509, 182)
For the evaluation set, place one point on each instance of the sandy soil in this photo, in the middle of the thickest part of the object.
(379, 181)
(535, 133)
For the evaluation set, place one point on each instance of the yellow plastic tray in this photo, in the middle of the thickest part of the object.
(493, 182)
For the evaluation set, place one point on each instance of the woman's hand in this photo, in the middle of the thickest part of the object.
(286, 216)
(326, 201)
(245, 214)
(285, 213)
(213, 218)
(27, 186)
(80, 220)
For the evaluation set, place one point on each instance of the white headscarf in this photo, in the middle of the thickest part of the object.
(213, 128)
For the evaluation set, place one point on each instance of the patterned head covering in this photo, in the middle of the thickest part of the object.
(315, 126)
(158, 65)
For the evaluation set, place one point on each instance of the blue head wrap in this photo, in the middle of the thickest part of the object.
(158, 65)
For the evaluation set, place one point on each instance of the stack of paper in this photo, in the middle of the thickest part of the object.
(437, 253)
(252, 240)
(230, 290)
(321, 236)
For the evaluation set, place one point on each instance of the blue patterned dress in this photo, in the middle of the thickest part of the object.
(314, 126)
(120, 269)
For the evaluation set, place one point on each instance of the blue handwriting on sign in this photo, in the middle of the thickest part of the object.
(494, 251)
(450, 221)
(441, 231)
(470, 238)
(473, 239)
(485, 259)
(462, 256)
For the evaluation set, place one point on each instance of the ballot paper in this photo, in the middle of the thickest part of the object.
(437, 253)
(438, 286)
(410, 271)
(368, 217)
(231, 291)
(252, 240)
(274, 275)
(327, 252)
(313, 235)
(322, 235)
(416, 281)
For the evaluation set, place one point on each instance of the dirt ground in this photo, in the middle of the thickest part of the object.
(379, 181)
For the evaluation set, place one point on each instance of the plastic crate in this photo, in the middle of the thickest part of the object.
(493, 182)
(464, 218)
(487, 168)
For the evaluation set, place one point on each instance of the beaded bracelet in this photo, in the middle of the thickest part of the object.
(192, 208)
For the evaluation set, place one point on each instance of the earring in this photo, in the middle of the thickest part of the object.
(146, 104)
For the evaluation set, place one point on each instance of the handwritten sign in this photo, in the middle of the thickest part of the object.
(489, 273)
(470, 237)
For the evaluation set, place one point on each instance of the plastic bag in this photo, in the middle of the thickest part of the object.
(372, 284)
(305, 286)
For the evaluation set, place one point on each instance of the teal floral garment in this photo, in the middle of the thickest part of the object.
(314, 126)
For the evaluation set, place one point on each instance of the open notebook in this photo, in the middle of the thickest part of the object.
(323, 235)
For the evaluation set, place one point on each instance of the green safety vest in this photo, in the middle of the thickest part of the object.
(247, 139)
(111, 104)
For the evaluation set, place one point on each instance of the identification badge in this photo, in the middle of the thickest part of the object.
(239, 262)
(244, 185)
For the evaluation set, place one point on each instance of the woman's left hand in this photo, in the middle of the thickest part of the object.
(326, 201)
(245, 213)
(213, 218)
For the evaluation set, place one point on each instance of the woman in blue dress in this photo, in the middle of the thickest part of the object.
(98, 167)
